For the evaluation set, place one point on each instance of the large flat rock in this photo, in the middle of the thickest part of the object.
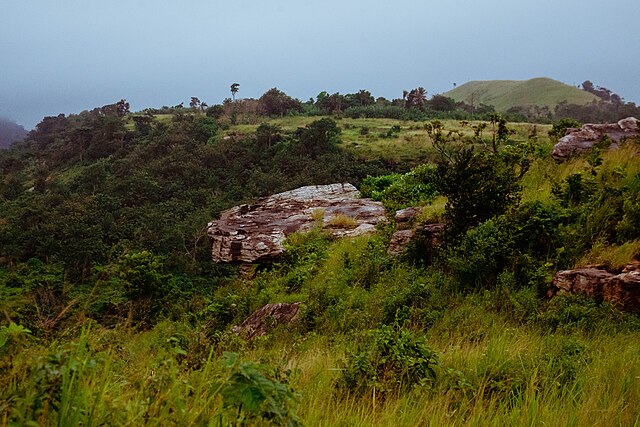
(256, 232)
(583, 139)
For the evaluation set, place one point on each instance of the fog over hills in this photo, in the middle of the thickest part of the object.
(10, 132)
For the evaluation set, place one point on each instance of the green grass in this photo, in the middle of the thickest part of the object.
(491, 371)
(506, 356)
(504, 94)
(411, 145)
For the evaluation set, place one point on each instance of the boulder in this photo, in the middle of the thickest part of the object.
(266, 318)
(584, 281)
(256, 232)
(583, 139)
(431, 233)
(399, 241)
(621, 290)
(407, 214)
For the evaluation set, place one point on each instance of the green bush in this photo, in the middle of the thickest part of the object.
(559, 128)
(396, 191)
(483, 253)
(252, 394)
(391, 359)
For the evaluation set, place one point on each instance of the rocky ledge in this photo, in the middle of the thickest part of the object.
(619, 289)
(580, 140)
(256, 232)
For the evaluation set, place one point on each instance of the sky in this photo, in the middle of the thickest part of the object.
(65, 56)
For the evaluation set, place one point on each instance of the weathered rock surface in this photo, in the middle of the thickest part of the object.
(256, 232)
(431, 233)
(266, 318)
(621, 290)
(583, 139)
(400, 240)
(407, 214)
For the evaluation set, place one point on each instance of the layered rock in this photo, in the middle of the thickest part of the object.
(429, 233)
(621, 290)
(263, 320)
(583, 139)
(256, 232)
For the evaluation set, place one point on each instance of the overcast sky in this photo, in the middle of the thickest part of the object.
(65, 56)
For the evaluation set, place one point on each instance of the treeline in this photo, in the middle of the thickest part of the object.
(608, 109)
(415, 104)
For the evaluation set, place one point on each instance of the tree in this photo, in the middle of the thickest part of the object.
(330, 104)
(234, 89)
(195, 103)
(441, 103)
(267, 134)
(417, 98)
(274, 102)
(122, 107)
(319, 136)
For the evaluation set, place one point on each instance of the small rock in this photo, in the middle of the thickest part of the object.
(399, 241)
(263, 320)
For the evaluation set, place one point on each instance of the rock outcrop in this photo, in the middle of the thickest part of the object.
(256, 232)
(429, 233)
(266, 318)
(583, 139)
(621, 290)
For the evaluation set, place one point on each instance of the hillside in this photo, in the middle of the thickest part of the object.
(112, 311)
(505, 94)
(10, 132)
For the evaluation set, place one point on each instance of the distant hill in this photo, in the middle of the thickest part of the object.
(10, 132)
(505, 94)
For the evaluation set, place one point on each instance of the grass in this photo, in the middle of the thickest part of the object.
(342, 221)
(491, 372)
(410, 146)
(505, 94)
(506, 356)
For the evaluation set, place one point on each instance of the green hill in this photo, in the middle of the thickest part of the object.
(505, 94)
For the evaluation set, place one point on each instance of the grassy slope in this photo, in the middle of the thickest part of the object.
(365, 137)
(500, 364)
(504, 94)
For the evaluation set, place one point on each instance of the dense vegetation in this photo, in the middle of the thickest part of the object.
(114, 314)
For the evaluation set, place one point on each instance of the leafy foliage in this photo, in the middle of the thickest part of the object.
(393, 359)
(417, 187)
(250, 393)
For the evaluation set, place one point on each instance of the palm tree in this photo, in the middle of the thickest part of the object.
(234, 89)
(417, 97)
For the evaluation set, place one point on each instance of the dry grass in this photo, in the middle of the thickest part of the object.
(341, 221)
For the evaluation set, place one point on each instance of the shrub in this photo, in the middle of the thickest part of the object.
(396, 191)
(483, 252)
(342, 221)
(392, 359)
(559, 128)
(251, 394)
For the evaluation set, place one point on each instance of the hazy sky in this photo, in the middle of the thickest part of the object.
(67, 56)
